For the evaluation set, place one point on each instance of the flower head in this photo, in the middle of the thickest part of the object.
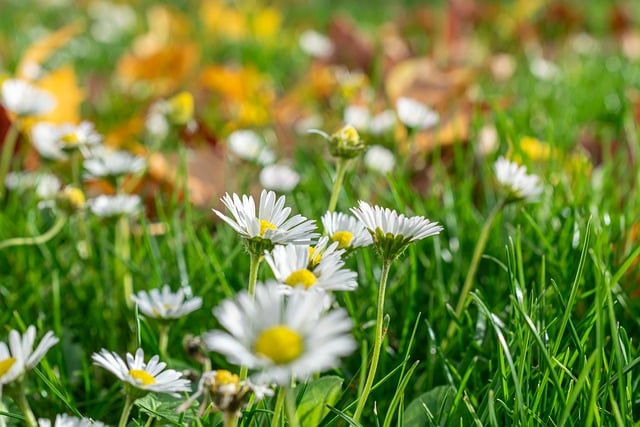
(272, 225)
(64, 420)
(382, 122)
(226, 392)
(346, 143)
(165, 304)
(319, 268)
(315, 44)
(379, 159)
(515, 181)
(391, 231)
(416, 115)
(249, 146)
(54, 141)
(281, 337)
(24, 99)
(346, 230)
(105, 162)
(45, 185)
(140, 377)
(19, 356)
(279, 178)
(116, 205)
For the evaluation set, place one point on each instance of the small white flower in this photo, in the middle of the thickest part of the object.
(281, 337)
(53, 141)
(112, 20)
(46, 185)
(156, 122)
(19, 356)
(25, 99)
(391, 231)
(105, 162)
(379, 159)
(302, 266)
(515, 180)
(315, 44)
(357, 116)
(165, 304)
(279, 178)
(346, 230)
(119, 204)
(543, 69)
(272, 223)
(415, 114)
(249, 146)
(148, 377)
(382, 122)
(305, 124)
(64, 420)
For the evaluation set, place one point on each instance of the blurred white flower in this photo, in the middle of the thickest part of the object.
(52, 141)
(543, 69)
(279, 178)
(105, 162)
(165, 304)
(415, 114)
(516, 182)
(357, 116)
(379, 159)
(248, 145)
(119, 204)
(45, 185)
(64, 420)
(316, 45)
(111, 20)
(382, 122)
(25, 99)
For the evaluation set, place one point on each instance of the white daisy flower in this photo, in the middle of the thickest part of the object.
(45, 185)
(272, 224)
(379, 159)
(382, 122)
(279, 178)
(516, 182)
(64, 420)
(115, 205)
(391, 231)
(165, 304)
(357, 116)
(25, 99)
(146, 377)
(415, 114)
(281, 337)
(249, 146)
(226, 392)
(105, 162)
(303, 266)
(346, 230)
(315, 44)
(19, 356)
(53, 141)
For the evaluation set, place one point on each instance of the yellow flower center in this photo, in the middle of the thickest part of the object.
(143, 376)
(75, 196)
(6, 364)
(266, 225)
(301, 278)
(343, 238)
(279, 343)
(224, 377)
(71, 139)
(313, 258)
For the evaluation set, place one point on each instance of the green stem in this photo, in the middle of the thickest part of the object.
(37, 240)
(230, 419)
(253, 279)
(163, 341)
(473, 268)
(21, 400)
(123, 251)
(7, 154)
(128, 405)
(277, 410)
(377, 344)
(341, 170)
(290, 406)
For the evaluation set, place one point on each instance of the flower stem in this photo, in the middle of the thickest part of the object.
(7, 154)
(37, 240)
(128, 405)
(253, 279)
(123, 250)
(163, 341)
(377, 344)
(473, 268)
(229, 419)
(290, 406)
(277, 410)
(21, 400)
(341, 170)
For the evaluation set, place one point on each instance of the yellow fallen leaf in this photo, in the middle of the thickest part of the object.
(62, 83)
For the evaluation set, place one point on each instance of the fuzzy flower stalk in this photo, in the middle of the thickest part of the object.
(515, 185)
(139, 377)
(391, 233)
(16, 360)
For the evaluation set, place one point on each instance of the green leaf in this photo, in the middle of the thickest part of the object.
(318, 395)
(163, 407)
(430, 407)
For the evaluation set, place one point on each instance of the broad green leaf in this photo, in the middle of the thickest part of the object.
(430, 408)
(317, 395)
(163, 407)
